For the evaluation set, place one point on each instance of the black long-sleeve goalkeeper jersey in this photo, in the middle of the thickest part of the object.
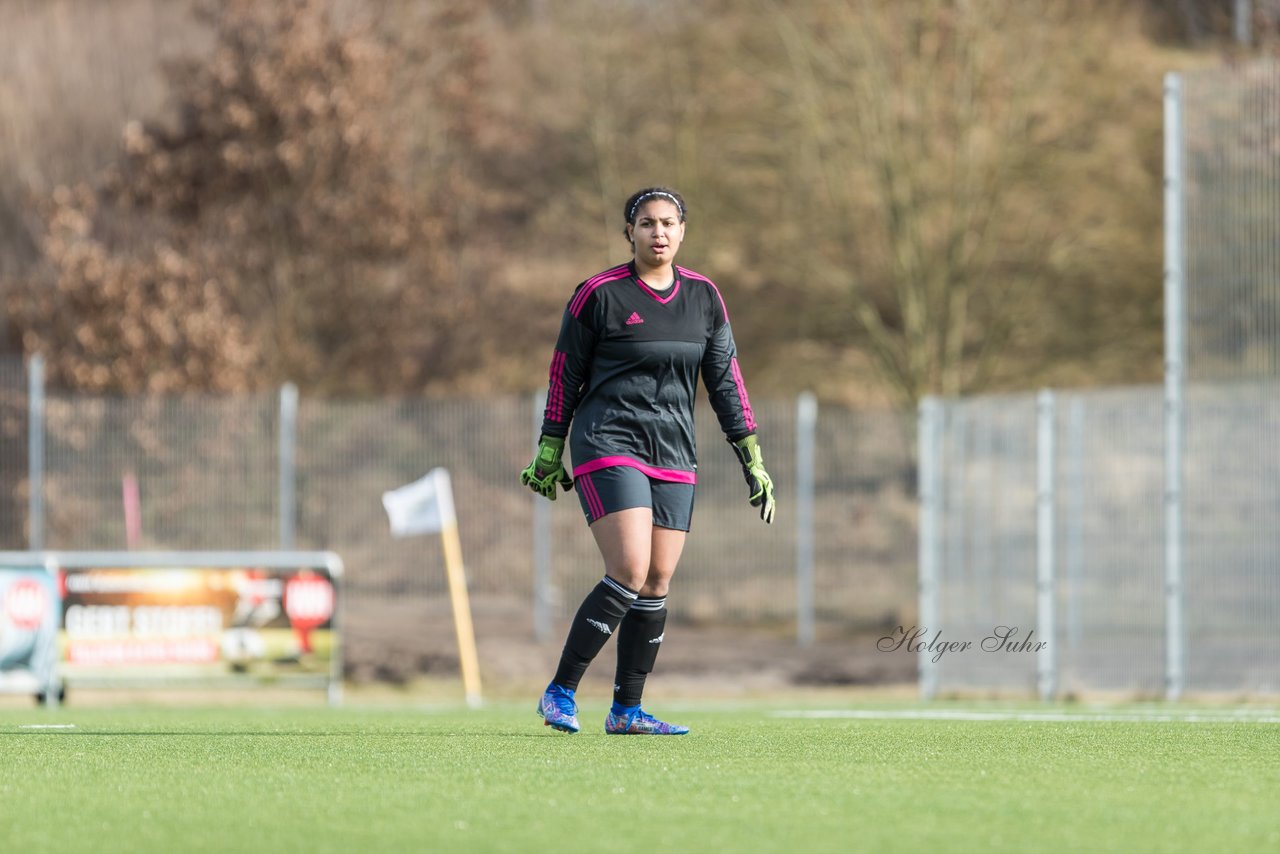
(626, 366)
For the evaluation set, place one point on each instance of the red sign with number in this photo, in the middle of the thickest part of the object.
(25, 603)
(308, 602)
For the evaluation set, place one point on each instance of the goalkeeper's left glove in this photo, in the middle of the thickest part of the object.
(759, 484)
(547, 469)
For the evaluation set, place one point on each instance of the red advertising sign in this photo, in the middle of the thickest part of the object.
(26, 603)
(308, 600)
(28, 629)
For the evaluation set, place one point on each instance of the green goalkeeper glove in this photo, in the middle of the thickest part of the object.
(547, 470)
(758, 481)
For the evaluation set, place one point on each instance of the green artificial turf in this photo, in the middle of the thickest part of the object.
(747, 779)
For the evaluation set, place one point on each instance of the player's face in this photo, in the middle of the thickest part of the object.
(657, 233)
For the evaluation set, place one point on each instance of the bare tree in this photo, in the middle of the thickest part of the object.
(919, 123)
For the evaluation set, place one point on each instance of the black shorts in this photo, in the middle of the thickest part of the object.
(619, 487)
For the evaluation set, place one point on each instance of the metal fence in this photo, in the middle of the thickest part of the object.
(1133, 531)
(1047, 521)
(272, 471)
(1228, 133)
(1125, 539)
(14, 422)
(1045, 514)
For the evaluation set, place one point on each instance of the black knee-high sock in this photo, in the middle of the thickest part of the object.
(639, 638)
(597, 618)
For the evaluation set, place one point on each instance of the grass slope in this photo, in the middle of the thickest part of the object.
(164, 780)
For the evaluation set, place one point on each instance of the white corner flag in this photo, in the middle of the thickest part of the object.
(422, 507)
(426, 507)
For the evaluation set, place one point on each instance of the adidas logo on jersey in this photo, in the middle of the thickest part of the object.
(604, 627)
(659, 638)
(634, 319)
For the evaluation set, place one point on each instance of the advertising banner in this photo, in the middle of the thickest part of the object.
(29, 612)
(267, 624)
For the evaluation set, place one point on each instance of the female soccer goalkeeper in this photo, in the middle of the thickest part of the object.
(633, 341)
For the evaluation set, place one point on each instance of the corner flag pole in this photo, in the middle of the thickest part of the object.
(426, 507)
(467, 657)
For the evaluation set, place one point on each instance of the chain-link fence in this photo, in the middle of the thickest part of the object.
(1231, 553)
(1230, 147)
(1104, 611)
(863, 522)
(13, 451)
(1230, 139)
(1133, 530)
(1101, 490)
(205, 468)
(219, 473)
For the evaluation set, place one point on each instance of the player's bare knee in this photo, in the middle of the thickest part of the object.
(655, 589)
(656, 582)
(632, 576)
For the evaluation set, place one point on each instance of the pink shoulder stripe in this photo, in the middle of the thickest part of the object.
(609, 272)
(690, 274)
(621, 272)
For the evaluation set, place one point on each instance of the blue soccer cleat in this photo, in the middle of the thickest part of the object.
(558, 709)
(639, 722)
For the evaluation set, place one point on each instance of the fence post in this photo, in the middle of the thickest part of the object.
(542, 593)
(929, 480)
(35, 453)
(806, 428)
(1174, 383)
(1046, 675)
(1242, 22)
(288, 465)
(1073, 548)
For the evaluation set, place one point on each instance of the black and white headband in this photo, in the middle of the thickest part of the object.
(653, 194)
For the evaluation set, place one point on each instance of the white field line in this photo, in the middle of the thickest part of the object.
(1199, 717)
(46, 726)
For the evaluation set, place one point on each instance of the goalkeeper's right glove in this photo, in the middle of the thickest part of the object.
(759, 484)
(547, 470)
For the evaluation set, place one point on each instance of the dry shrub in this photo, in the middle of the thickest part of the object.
(262, 231)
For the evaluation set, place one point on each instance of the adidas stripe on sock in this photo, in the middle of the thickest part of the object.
(597, 619)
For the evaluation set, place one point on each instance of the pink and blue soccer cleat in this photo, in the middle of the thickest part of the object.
(638, 722)
(558, 709)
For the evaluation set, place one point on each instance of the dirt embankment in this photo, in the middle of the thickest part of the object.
(400, 641)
